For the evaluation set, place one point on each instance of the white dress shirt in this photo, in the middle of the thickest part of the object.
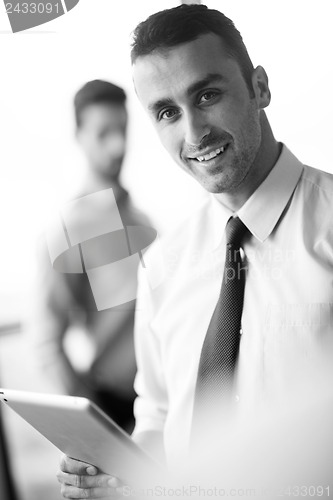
(288, 303)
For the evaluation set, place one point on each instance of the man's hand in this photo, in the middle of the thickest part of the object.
(82, 480)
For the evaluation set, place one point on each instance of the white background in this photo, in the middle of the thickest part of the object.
(41, 69)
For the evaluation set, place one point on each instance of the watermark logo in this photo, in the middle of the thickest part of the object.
(88, 236)
(25, 14)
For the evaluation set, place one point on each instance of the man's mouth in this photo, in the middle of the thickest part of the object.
(209, 155)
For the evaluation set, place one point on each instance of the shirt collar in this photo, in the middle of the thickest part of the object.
(261, 212)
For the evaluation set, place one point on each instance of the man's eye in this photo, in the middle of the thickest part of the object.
(168, 114)
(208, 96)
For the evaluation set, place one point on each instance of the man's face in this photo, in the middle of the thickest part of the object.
(102, 135)
(202, 110)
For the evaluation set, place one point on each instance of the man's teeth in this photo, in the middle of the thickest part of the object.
(211, 155)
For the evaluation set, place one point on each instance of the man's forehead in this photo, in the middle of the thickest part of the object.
(182, 66)
(165, 57)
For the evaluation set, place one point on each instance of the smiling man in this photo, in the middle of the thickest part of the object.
(207, 116)
(243, 320)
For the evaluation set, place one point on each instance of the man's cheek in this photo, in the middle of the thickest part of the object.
(169, 141)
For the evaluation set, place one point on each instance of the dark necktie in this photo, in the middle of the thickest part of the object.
(221, 345)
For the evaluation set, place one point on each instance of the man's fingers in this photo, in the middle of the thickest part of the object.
(81, 481)
(76, 467)
(68, 491)
(114, 482)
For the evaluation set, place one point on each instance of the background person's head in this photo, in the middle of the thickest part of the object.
(194, 77)
(101, 120)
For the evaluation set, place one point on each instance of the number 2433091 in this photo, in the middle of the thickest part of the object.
(32, 8)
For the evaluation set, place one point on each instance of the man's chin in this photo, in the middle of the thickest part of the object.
(220, 182)
(215, 186)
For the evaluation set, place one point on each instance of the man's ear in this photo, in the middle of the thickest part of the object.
(260, 87)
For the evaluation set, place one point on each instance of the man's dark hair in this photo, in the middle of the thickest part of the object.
(96, 92)
(172, 27)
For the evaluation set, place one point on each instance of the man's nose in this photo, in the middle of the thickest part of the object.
(196, 128)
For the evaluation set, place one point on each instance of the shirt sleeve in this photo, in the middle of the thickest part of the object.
(151, 404)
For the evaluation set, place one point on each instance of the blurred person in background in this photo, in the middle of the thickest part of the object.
(97, 361)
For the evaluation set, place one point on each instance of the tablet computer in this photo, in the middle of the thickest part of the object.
(81, 430)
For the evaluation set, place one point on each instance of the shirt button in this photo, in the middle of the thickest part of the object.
(241, 331)
(236, 398)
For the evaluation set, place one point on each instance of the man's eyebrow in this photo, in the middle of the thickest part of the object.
(161, 103)
(208, 80)
(204, 82)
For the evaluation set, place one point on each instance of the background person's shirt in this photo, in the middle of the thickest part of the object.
(85, 350)
(287, 321)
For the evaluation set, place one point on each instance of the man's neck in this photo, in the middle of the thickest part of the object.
(264, 162)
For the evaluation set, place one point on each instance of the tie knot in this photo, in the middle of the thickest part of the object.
(235, 231)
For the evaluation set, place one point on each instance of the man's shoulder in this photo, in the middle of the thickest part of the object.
(187, 230)
(316, 195)
(174, 247)
(318, 180)
(174, 251)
